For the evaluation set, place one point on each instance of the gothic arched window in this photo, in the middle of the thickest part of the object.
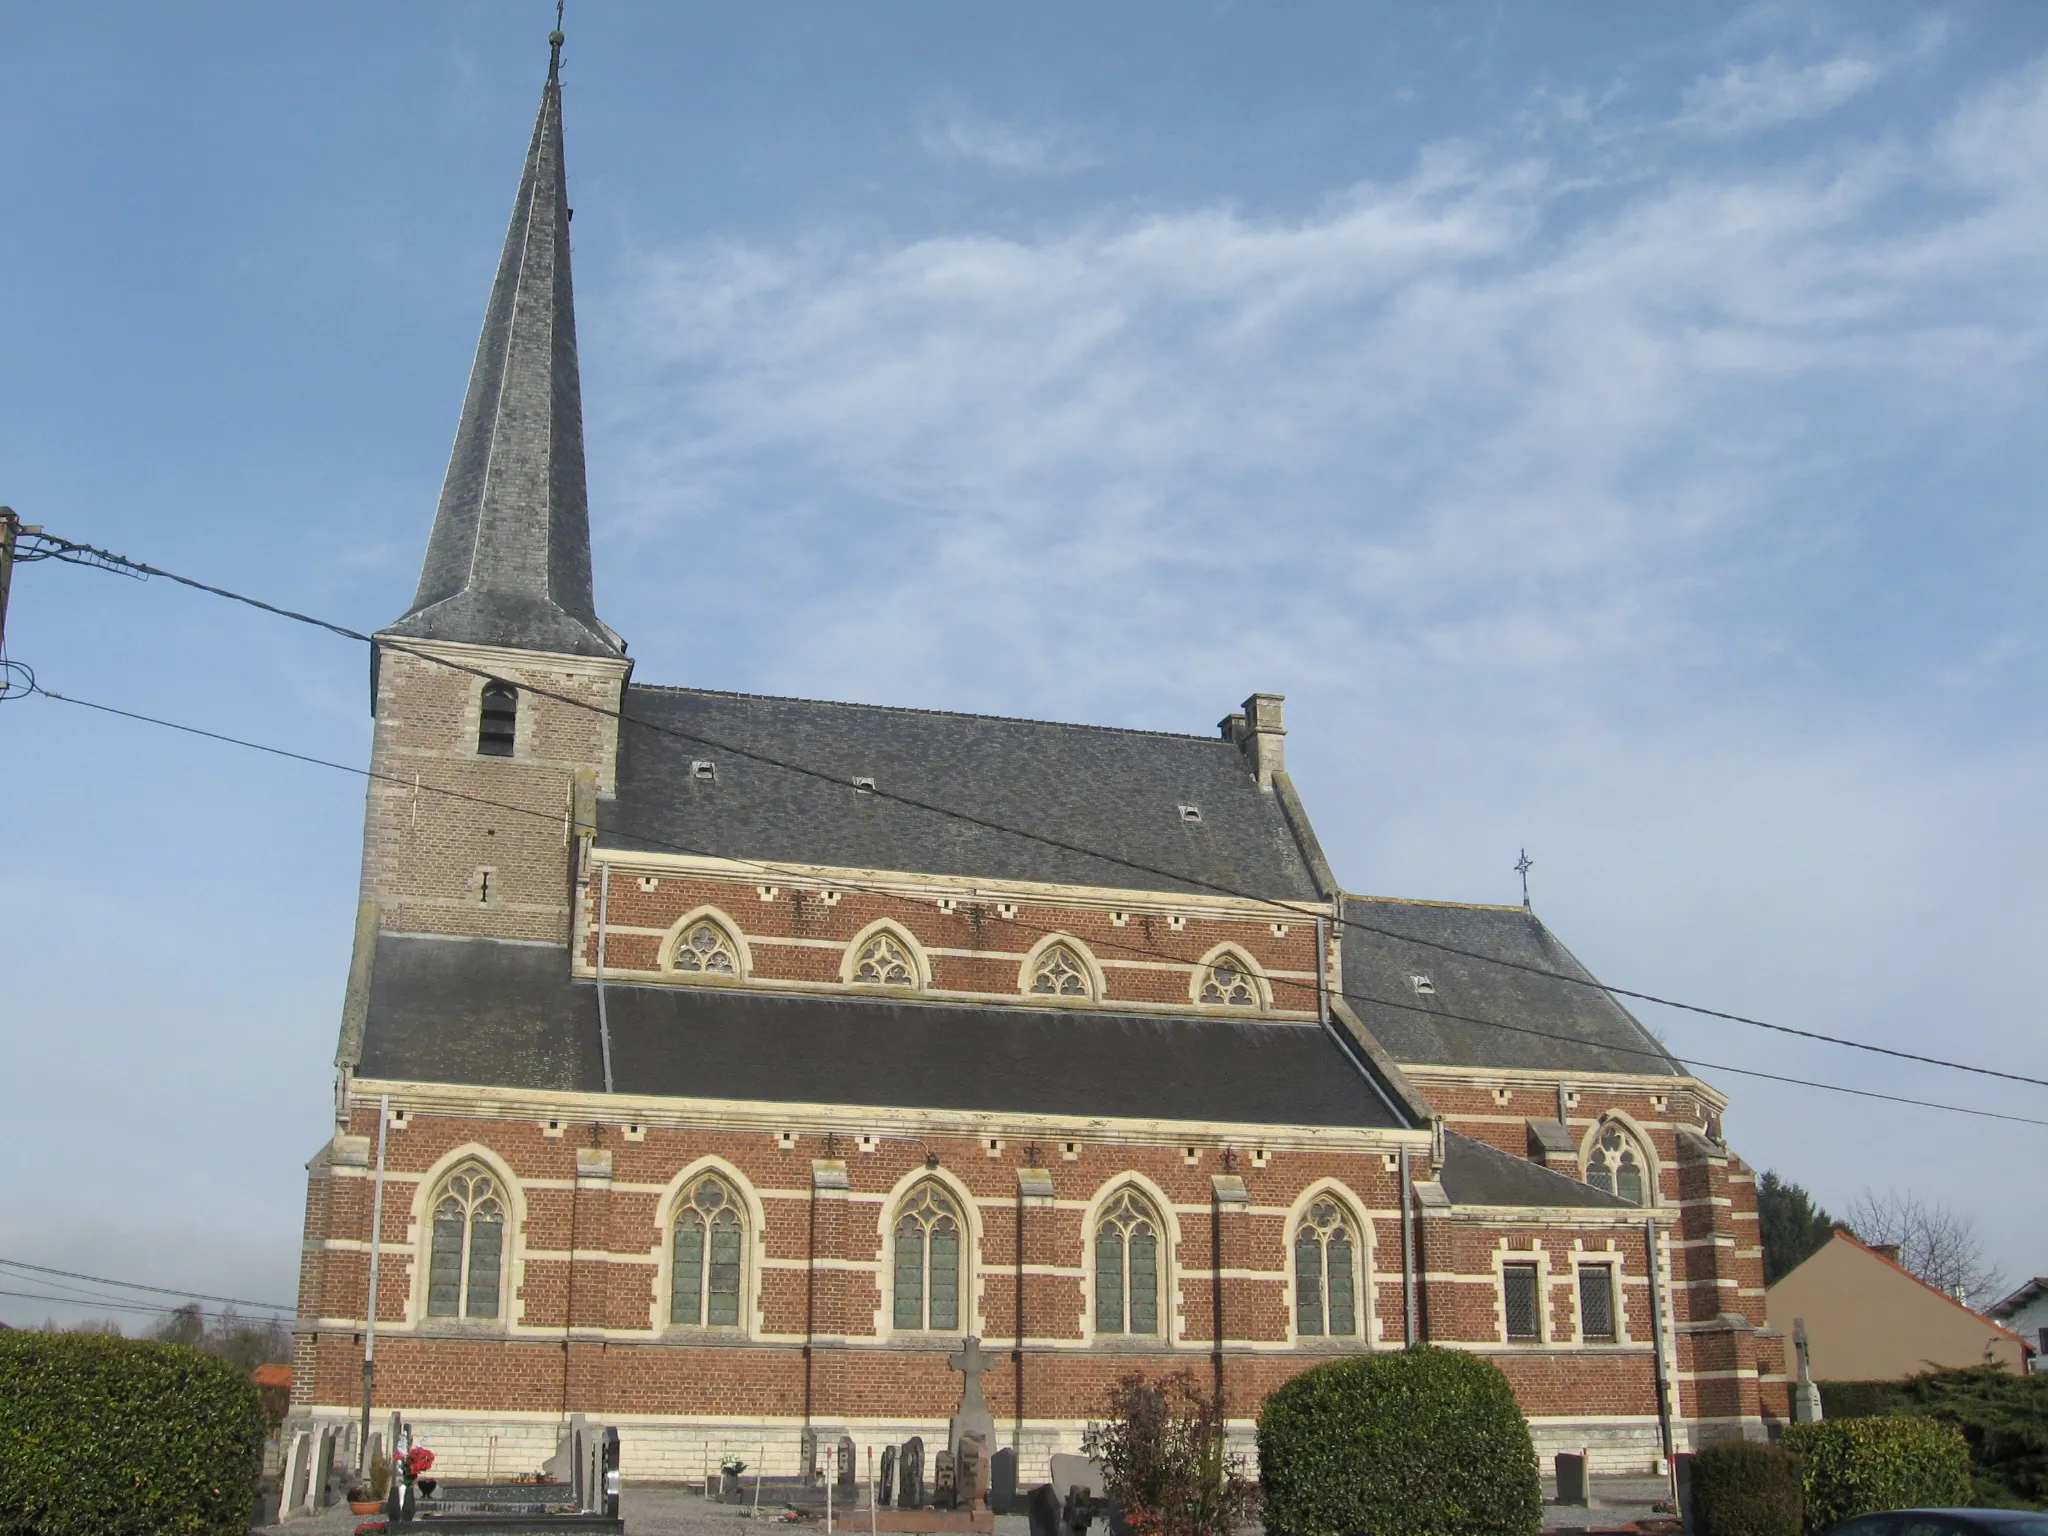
(1230, 981)
(1326, 1272)
(704, 1287)
(706, 949)
(1127, 1267)
(927, 1278)
(498, 722)
(1616, 1164)
(468, 1245)
(1060, 973)
(884, 961)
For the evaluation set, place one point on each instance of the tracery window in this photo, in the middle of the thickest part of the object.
(1616, 1164)
(705, 1275)
(706, 950)
(1325, 1273)
(884, 962)
(1059, 973)
(468, 1245)
(1127, 1267)
(1229, 981)
(927, 1279)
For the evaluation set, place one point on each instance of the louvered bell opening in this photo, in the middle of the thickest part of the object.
(499, 723)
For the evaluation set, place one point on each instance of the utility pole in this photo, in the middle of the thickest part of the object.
(10, 528)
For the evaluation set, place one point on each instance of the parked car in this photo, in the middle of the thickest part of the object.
(1946, 1522)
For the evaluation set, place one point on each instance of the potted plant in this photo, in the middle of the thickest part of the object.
(368, 1498)
(363, 1502)
(729, 1482)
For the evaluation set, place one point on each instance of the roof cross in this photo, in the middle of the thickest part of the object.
(1522, 867)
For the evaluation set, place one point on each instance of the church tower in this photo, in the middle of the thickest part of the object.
(478, 750)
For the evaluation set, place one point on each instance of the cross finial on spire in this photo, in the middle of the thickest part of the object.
(556, 39)
(1522, 867)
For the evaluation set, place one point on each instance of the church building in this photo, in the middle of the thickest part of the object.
(722, 1063)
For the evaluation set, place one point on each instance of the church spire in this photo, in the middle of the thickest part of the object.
(508, 562)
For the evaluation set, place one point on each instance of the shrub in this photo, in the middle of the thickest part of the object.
(1428, 1442)
(121, 1437)
(2003, 1419)
(1859, 1399)
(1164, 1461)
(1740, 1488)
(1854, 1466)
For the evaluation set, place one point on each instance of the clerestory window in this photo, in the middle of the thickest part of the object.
(707, 1258)
(1059, 973)
(706, 950)
(1229, 981)
(1325, 1273)
(1127, 1267)
(927, 1267)
(1616, 1164)
(884, 962)
(465, 1266)
(498, 723)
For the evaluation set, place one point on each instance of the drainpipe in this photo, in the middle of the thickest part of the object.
(604, 1028)
(1408, 1309)
(370, 1322)
(1657, 1327)
(1017, 1354)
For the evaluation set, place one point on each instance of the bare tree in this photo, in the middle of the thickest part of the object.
(1935, 1242)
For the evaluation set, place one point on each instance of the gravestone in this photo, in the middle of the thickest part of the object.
(1806, 1407)
(970, 1472)
(807, 1456)
(1045, 1507)
(301, 1472)
(944, 1490)
(1070, 1472)
(885, 1486)
(1002, 1482)
(848, 1472)
(1571, 1479)
(910, 1474)
(972, 1416)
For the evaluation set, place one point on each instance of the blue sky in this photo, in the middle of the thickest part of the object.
(1616, 429)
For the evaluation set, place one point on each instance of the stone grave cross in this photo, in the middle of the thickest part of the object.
(972, 1417)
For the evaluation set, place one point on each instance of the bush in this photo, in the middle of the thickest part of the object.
(1740, 1488)
(1854, 1466)
(1428, 1442)
(120, 1437)
(1859, 1399)
(2003, 1419)
(1164, 1460)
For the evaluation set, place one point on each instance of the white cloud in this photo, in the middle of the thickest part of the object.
(951, 130)
(1772, 92)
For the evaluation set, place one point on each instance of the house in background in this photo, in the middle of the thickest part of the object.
(2025, 1312)
(1868, 1318)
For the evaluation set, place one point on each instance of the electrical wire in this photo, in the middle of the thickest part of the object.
(136, 1285)
(112, 1306)
(1355, 998)
(52, 546)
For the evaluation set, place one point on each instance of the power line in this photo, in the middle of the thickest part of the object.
(108, 1306)
(1377, 1002)
(50, 546)
(136, 1285)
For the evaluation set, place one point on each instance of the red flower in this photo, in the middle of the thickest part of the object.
(415, 1461)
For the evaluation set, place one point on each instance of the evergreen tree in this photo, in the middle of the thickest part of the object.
(1794, 1228)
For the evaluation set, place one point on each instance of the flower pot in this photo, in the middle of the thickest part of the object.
(365, 1506)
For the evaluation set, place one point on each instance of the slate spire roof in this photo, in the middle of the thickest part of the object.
(508, 562)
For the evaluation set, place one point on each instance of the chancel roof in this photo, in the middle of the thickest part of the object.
(1475, 1173)
(500, 1014)
(1429, 981)
(1106, 805)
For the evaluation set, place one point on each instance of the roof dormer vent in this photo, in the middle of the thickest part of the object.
(1423, 985)
(704, 772)
(863, 786)
(1191, 814)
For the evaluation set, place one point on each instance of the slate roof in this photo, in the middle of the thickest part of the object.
(1571, 1026)
(1113, 792)
(1475, 1173)
(508, 562)
(499, 1014)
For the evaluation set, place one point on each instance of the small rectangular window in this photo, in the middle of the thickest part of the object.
(1596, 1303)
(498, 724)
(1518, 1285)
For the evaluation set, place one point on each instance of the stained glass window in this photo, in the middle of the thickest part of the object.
(1229, 982)
(465, 1262)
(1518, 1282)
(1325, 1276)
(884, 962)
(1059, 973)
(1616, 1165)
(927, 1278)
(705, 1290)
(1596, 1302)
(707, 950)
(1127, 1267)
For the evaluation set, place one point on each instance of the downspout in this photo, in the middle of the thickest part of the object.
(604, 1028)
(810, 1304)
(370, 1322)
(1657, 1333)
(1017, 1353)
(1408, 1311)
(1216, 1289)
(1322, 970)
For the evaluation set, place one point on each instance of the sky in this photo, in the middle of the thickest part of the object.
(1616, 429)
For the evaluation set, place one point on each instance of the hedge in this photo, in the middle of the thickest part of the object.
(1854, 1466)
(1859, 1399)
(1426, 1442)
(2003, 1419)
(1740, 1488)
(104, 1436)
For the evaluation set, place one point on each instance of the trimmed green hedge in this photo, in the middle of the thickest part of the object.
(1740, 1488)
(1854, 1466)
(1427, 1442)
(118, 1437)
(2002, 1417)
(1859, 1399)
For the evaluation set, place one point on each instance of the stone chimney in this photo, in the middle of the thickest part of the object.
(1886, 1251)
(1263, 739)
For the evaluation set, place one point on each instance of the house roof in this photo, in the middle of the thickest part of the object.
(499, 1014)
(784, 791)
(1475, 1173)
(1846, 1236)
(2019, 1298)
(277, 1373)
(508, 562)
(1486, 967)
